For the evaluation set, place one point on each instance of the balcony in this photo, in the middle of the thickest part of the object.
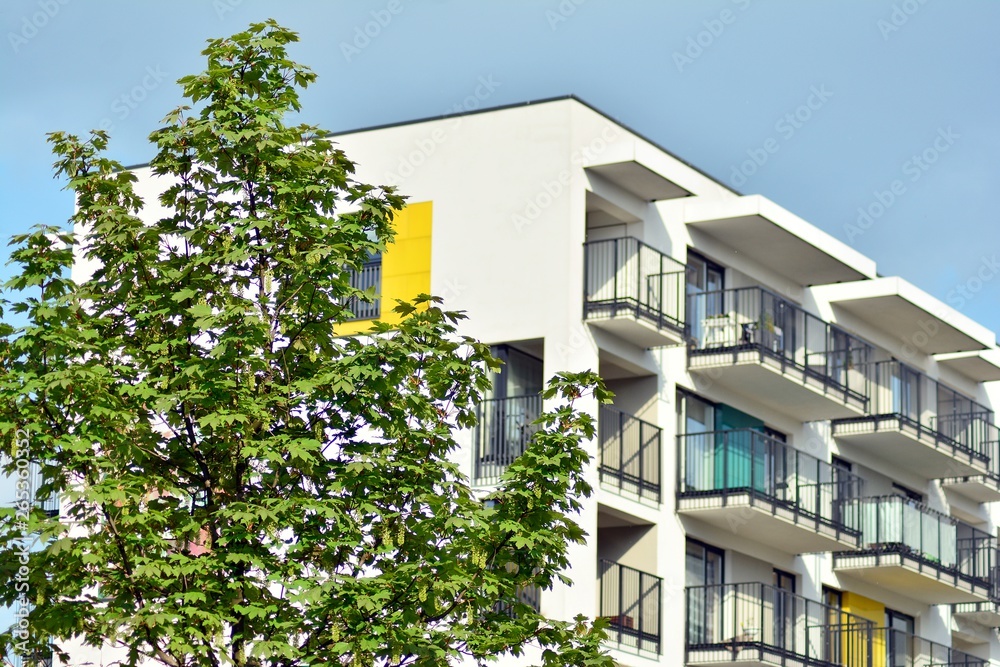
(987, 613)
(505, 427)
(634, 292)
(369, 277)
(630, 453)
(896, 648)
(630, 601)
(913, 550)
(743, 480)
(921, 425)
(983, 488)
(758, 625)
(758, 344)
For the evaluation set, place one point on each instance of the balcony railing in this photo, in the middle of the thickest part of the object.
(938, 542)
(973, 431)
(370, 276)
(984, 613)
(528, 595)
(630, 452)
(624, 276)
(505, 427)
(717, 465)
(36, 659)
(630, 600)
(902, 398)
(755, 623)
(902, 649)
(752, 319)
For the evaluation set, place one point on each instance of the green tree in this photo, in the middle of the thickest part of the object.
(241, 485)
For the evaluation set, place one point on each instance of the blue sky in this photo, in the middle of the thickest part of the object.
(829, 107)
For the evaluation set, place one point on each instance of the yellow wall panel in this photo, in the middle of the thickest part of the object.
(864, 607)
(406, 264)
(873, 611)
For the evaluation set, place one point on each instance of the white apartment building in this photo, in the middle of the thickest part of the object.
(801, 461)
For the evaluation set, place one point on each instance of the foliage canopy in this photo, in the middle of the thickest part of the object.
(240, 485)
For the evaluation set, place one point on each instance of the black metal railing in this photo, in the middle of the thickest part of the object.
(991, 606)
(720, 464)
(630, 452)
(624, 276)
(972, 431)
(505, 427)
(527, 595)
(759, 622)
(35, 659)
(902, 397)
(897, 525)
(902, 649)
(752, 319)
(370, 276)
(630, 601)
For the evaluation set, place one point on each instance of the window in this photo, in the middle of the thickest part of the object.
(704, 283)
(844, 488)
(703, 275)
(694, 414)
(899, 642)
(836, 632)
(520, 375)
(775, 435)
(704, 564)
(784, 607)
(704, 568)
(900, 490)
(696, 422)
(841, 464)
(905, 386)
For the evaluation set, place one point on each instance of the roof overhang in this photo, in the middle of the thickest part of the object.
(779, 239)
(640, 180)
(908, 313)
(982, 366)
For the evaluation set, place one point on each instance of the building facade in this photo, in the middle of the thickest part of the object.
(800, 463)
(801, 458)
